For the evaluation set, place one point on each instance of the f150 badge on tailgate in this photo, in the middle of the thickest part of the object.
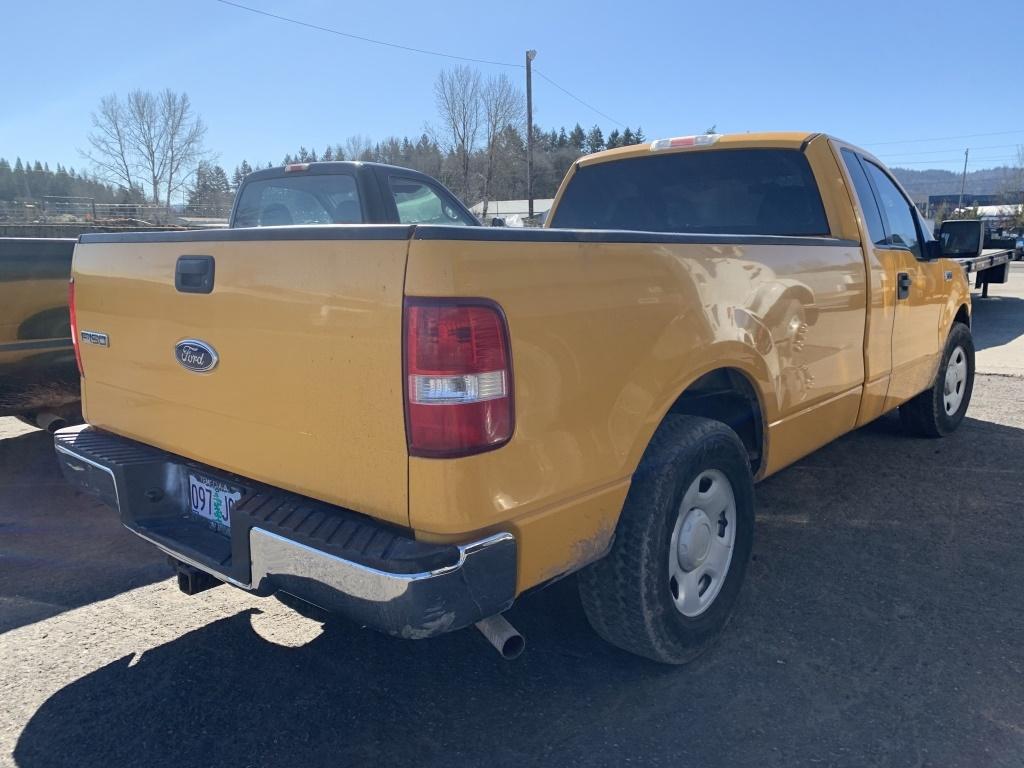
(195, 355)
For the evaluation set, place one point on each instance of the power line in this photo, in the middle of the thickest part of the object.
(412, 49)
(944, 138)
(959, 155)
(946, 151)
(1002, 161)
(577, 98)
(368, 39)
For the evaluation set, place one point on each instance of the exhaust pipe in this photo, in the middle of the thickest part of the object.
(502, 635)
(51, 422)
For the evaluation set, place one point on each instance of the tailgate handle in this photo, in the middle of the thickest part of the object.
(194, 274)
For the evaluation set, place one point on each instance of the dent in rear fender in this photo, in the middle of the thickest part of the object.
(605, 336)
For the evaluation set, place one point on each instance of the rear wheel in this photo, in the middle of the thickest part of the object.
(939, 409)
(669, 584)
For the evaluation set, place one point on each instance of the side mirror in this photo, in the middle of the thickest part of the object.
(496, 222)
(933, 250)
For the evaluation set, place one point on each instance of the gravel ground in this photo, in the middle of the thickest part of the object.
(880, 625)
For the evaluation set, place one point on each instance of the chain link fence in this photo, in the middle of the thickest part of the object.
(85, 210)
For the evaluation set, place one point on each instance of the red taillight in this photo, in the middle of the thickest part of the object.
(458, 377)
(75, 341)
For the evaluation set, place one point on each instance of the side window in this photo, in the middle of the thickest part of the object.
(419, 203)
(898, 211)
(868, 204)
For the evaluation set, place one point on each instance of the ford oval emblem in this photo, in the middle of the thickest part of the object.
(195, 355)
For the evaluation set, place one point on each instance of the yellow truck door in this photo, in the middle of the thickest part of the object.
(902, 341)
(918, 285)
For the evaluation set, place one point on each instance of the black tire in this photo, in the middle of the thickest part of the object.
(627, 595)
(926, 415)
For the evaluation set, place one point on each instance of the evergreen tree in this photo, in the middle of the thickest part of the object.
(7, 188)
(32, 181)
(595, 140)
(578, 138)
(627, 137)
(328, 154)
(210, 193)
(614, 139)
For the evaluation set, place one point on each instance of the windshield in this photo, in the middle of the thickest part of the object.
(294, 200)
(727, 191)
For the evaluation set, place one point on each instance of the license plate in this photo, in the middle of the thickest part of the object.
(212, 500)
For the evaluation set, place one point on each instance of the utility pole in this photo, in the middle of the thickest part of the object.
(530, 56)
(963, 183)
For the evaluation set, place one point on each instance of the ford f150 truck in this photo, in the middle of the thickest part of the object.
(413, 425)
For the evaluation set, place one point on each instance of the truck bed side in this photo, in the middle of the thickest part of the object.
(607, 330)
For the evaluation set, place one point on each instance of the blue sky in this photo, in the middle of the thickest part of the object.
(874, 73)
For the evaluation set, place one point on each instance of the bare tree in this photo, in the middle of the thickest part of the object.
(503, 107)
(151, 139)
(147, 137)
(358, 147)
(457, 92)
(183, 139)
(111, 150)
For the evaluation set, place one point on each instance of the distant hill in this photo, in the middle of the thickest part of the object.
(987, 181)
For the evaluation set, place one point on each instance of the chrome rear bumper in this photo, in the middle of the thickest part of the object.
(379, 576)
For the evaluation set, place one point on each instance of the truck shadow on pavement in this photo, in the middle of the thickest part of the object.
(996, 320)
(880, 624)
(58, 549)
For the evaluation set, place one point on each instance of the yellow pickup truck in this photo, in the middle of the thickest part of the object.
(412, 425)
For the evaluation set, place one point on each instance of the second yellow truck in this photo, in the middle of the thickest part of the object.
(413, 424)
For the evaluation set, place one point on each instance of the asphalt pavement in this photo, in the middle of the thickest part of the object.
(880, 624)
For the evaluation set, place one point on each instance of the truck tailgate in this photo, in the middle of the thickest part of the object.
(307, 325)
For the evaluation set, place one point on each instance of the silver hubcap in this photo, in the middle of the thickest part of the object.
(956, 381)
(702, 542)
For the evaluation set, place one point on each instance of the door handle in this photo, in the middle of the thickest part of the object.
(903, 283)
(194, 274)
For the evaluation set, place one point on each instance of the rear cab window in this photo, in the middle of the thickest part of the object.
(298, 200)
(721, 191)
(419, 203)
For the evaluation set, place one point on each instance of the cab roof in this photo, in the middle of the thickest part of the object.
(776, 139)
